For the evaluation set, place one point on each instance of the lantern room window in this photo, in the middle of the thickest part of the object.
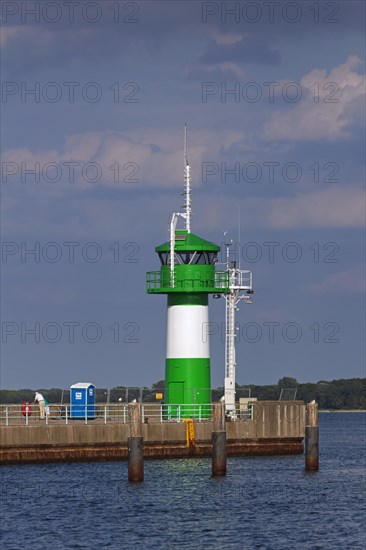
(163, 257)
(194, 257)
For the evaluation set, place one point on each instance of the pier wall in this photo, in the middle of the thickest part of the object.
(277, 427)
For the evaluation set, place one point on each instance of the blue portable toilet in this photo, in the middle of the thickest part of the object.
(82, 400)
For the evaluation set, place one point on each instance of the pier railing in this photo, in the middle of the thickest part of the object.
(123, 394)
(55, 414)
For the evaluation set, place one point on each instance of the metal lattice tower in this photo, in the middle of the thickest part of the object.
(240, 281)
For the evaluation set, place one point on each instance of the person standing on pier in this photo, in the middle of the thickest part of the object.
(39, 397)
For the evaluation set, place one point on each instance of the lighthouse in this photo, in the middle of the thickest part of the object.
(187, 276)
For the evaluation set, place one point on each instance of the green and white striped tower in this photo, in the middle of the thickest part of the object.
(187, 276)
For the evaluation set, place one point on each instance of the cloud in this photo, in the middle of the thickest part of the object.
(119, 32)
(343, 281)
(45, 44)
(338, 207)
(82, 217)
(105, 209)
(214, 71)
(75, 215)
(272, 19)
(145, 157)
(227, 53)
(330, 105)
(11, 34)
(26, 48)
(335, 207)
(249, 49)
(227, 38)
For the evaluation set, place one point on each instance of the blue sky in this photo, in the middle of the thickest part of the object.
(92, 168)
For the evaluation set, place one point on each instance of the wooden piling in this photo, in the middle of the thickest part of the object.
(311, 438)
(219, 440)
(135, 444)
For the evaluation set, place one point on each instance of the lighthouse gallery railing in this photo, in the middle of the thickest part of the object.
(155, 283)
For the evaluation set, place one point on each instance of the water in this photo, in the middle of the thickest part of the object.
(263, 503)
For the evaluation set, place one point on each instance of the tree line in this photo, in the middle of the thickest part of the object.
(334, 395)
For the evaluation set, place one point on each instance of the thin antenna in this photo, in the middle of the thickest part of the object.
(228, 243)
(239, 235)
(187, 179)
(185, 145)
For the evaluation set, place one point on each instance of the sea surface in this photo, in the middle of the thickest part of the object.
(263, 503)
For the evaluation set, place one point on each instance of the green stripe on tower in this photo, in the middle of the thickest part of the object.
(188, 382)
(197, 299)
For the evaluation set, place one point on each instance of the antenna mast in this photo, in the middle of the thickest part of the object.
(187, 180)
(187, 207)
(240, 281)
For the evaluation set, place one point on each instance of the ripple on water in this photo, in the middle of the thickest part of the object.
(263, 503)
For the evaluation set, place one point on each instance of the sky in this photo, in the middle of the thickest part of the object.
(94, 98)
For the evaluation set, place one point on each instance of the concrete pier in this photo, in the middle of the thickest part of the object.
(276, 427)
(311, 438)
(219, 441)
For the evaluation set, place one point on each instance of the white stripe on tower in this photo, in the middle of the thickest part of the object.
(187, 332)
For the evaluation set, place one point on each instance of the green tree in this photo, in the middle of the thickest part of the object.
(287, 382)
